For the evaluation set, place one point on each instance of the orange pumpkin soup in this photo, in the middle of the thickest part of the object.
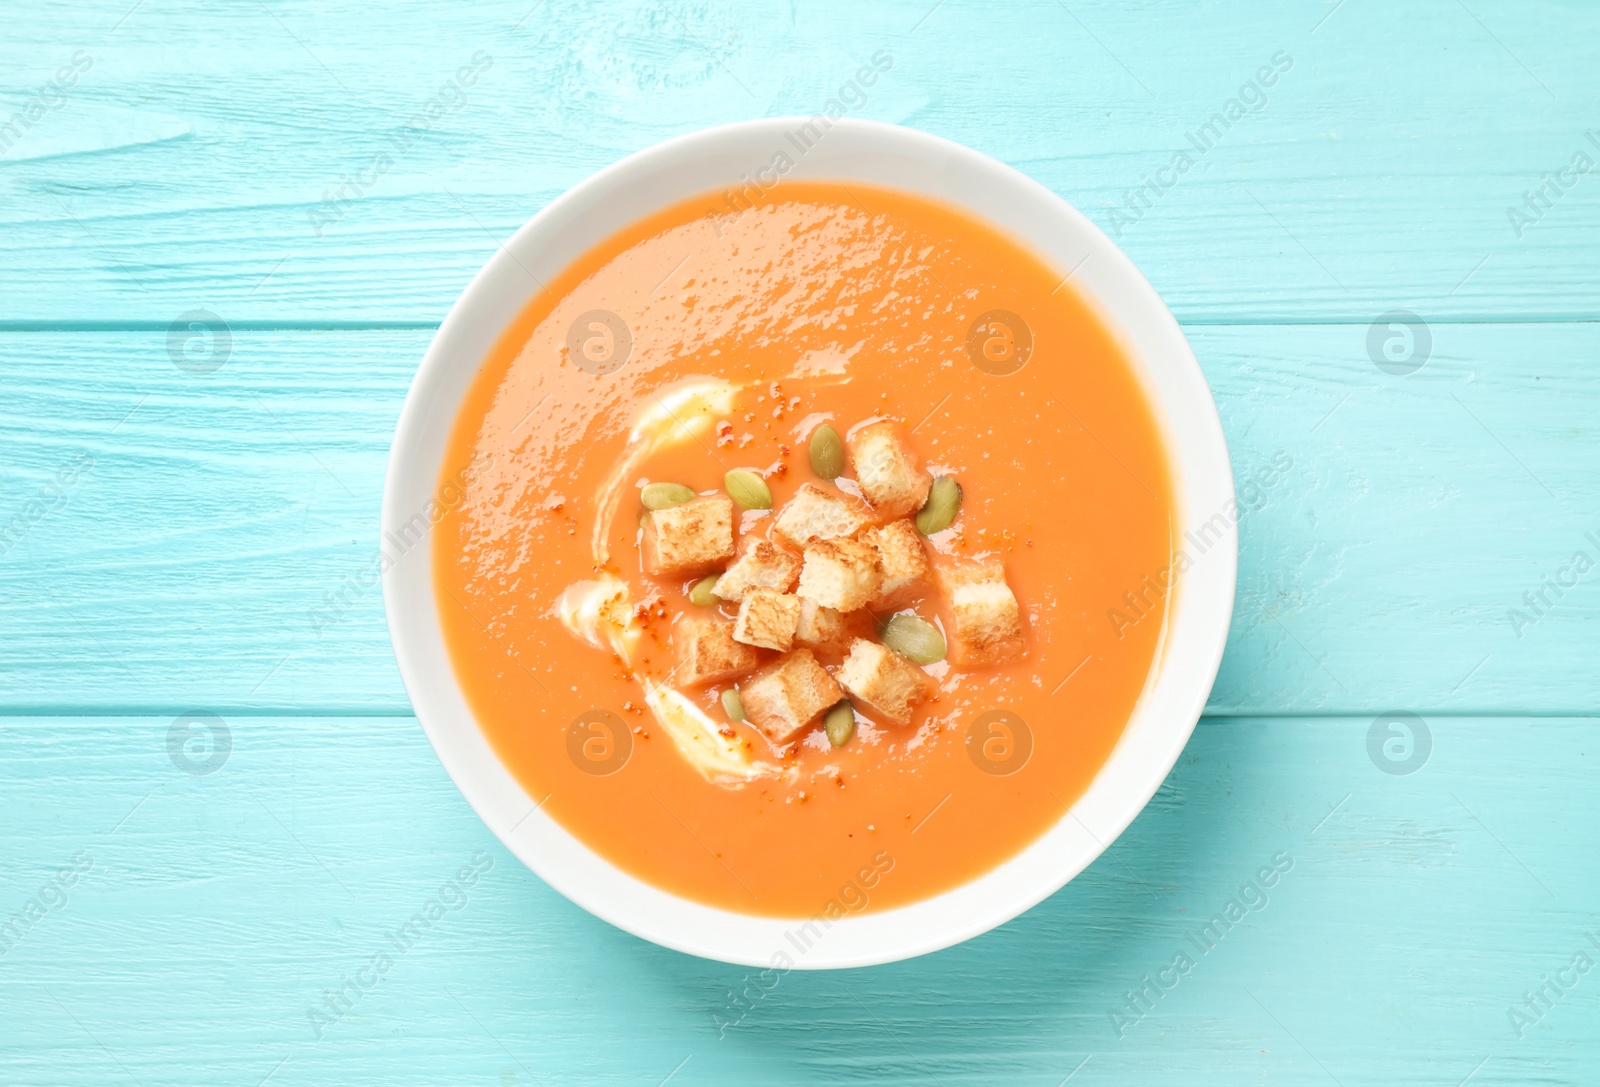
(802, 558)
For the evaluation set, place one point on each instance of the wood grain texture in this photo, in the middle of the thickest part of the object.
(1414, 911)
(194, 564)
(1376, 173)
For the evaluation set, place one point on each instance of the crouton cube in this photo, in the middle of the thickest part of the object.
(707, 651)
(825, 630)
(840, 574)
(889, 473)
(767, 619)
(985, 622)
(688, 539)
(883, 681)
(761, 565)
(904, 562)
(786, 696)
(816, 513)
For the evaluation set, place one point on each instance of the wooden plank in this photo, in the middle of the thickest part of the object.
(1411, 914)
(1377, 172)
(188, 566)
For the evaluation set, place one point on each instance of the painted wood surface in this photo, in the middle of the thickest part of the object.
(218, 552)
(1409, 916)
(170, 531)
(246, 160)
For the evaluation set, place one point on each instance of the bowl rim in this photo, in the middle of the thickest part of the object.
(1200, 597)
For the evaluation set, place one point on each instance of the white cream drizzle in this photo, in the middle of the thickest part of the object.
(600, 611)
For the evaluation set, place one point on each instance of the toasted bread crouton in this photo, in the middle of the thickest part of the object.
(889, 473)
(817, 513)
(688, 539)
(901, 555)
(826, 630)
(883, 681)
(761, 565)
(707, 651)
(767, 618)
(985, 622)
(840, 574)
(786, 696)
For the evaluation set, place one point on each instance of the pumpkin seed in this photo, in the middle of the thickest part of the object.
(732, 704)
(939, 511)
(840, 724)
(827, 452)
(748, 489)
(700, 594)
(915, 638)
(663, 496)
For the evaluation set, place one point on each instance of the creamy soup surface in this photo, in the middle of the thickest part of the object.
(705, 340)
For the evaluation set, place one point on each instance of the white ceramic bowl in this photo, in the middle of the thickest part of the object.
(867, 152)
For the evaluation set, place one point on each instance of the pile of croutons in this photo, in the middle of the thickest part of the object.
(820, 587)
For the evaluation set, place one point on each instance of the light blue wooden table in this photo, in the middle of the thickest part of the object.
(214, 807)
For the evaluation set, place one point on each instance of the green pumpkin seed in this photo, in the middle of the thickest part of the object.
(827, 452)
(748, 489)
(663, 496)
(732, 704)
(700, 594)
(914, 638)
(840, 724)
(939, 511)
